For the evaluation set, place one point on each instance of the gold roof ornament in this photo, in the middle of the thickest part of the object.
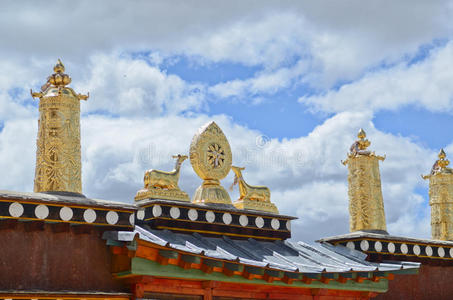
(58, 157)
(366, 205)
(252, 197)
(163, 185)
(441, 198)
(56, 84)
(440, 166)
(211, 158)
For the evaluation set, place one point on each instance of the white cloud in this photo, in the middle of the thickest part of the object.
(426, 84)
(124, 86)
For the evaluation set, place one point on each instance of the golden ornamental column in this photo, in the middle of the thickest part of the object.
(441, 199)
(366, 206)
(58, 158)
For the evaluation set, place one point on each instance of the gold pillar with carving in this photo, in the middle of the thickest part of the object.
(441, 199)
(58, 157)
(366, 206)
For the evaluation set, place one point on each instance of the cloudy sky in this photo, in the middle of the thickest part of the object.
(289, 82)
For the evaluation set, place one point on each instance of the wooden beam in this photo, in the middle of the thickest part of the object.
(208, 265)
(271, 275)
(230, 268)
(185, 261)
(289, 277)
(362, 276)
(327, 277)
(251, 272)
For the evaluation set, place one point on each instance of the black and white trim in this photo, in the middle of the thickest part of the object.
(65, 213)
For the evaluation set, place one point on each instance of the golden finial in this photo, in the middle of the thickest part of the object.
(58, 78)
(59, 67)
(441, 154)
(362, 134)
(442, 162)
(440, 166)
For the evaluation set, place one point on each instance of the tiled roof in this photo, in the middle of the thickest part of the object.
(286, 255)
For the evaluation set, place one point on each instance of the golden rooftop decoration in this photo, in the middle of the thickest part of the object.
(252, 197)
(58, 158)
(210, 156)
(366, 206)
(441, 198)
(163, 185)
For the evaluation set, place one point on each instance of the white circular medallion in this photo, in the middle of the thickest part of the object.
(210, 216)
(174, 212)
(441, 252)
(112, 217)
(157, 211)
(16, 209)
(140, 214)
(192, 214)
(429, 251)
(132, 219)
(350, 245)
(243, 220)
(275, 224)
(89, 215)
(416, 250)
(41, 211)
(364, 245)
(391, 247)
(66, 213)
(259, 222)
(451, 252)
(227, 218)
(404, 248)
(378, 246)
(288, 225)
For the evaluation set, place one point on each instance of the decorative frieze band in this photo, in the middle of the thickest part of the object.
(401, 248)
(66, 213)
(211, 219)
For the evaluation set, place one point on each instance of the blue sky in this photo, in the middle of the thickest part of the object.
(289, 83)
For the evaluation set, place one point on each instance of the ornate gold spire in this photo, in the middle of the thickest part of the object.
(441, 198)
(366, 206)
(58, 158)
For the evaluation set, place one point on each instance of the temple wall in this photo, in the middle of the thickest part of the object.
(433, 282)
(54, 257)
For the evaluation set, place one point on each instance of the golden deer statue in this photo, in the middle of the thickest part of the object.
(250, 192)
(163, 185)
(164, 180)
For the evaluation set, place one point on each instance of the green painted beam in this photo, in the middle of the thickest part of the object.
(140, 266)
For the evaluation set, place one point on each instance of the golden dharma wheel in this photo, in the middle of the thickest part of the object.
(210, 153)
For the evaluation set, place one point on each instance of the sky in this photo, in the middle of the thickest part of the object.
(289, 82)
